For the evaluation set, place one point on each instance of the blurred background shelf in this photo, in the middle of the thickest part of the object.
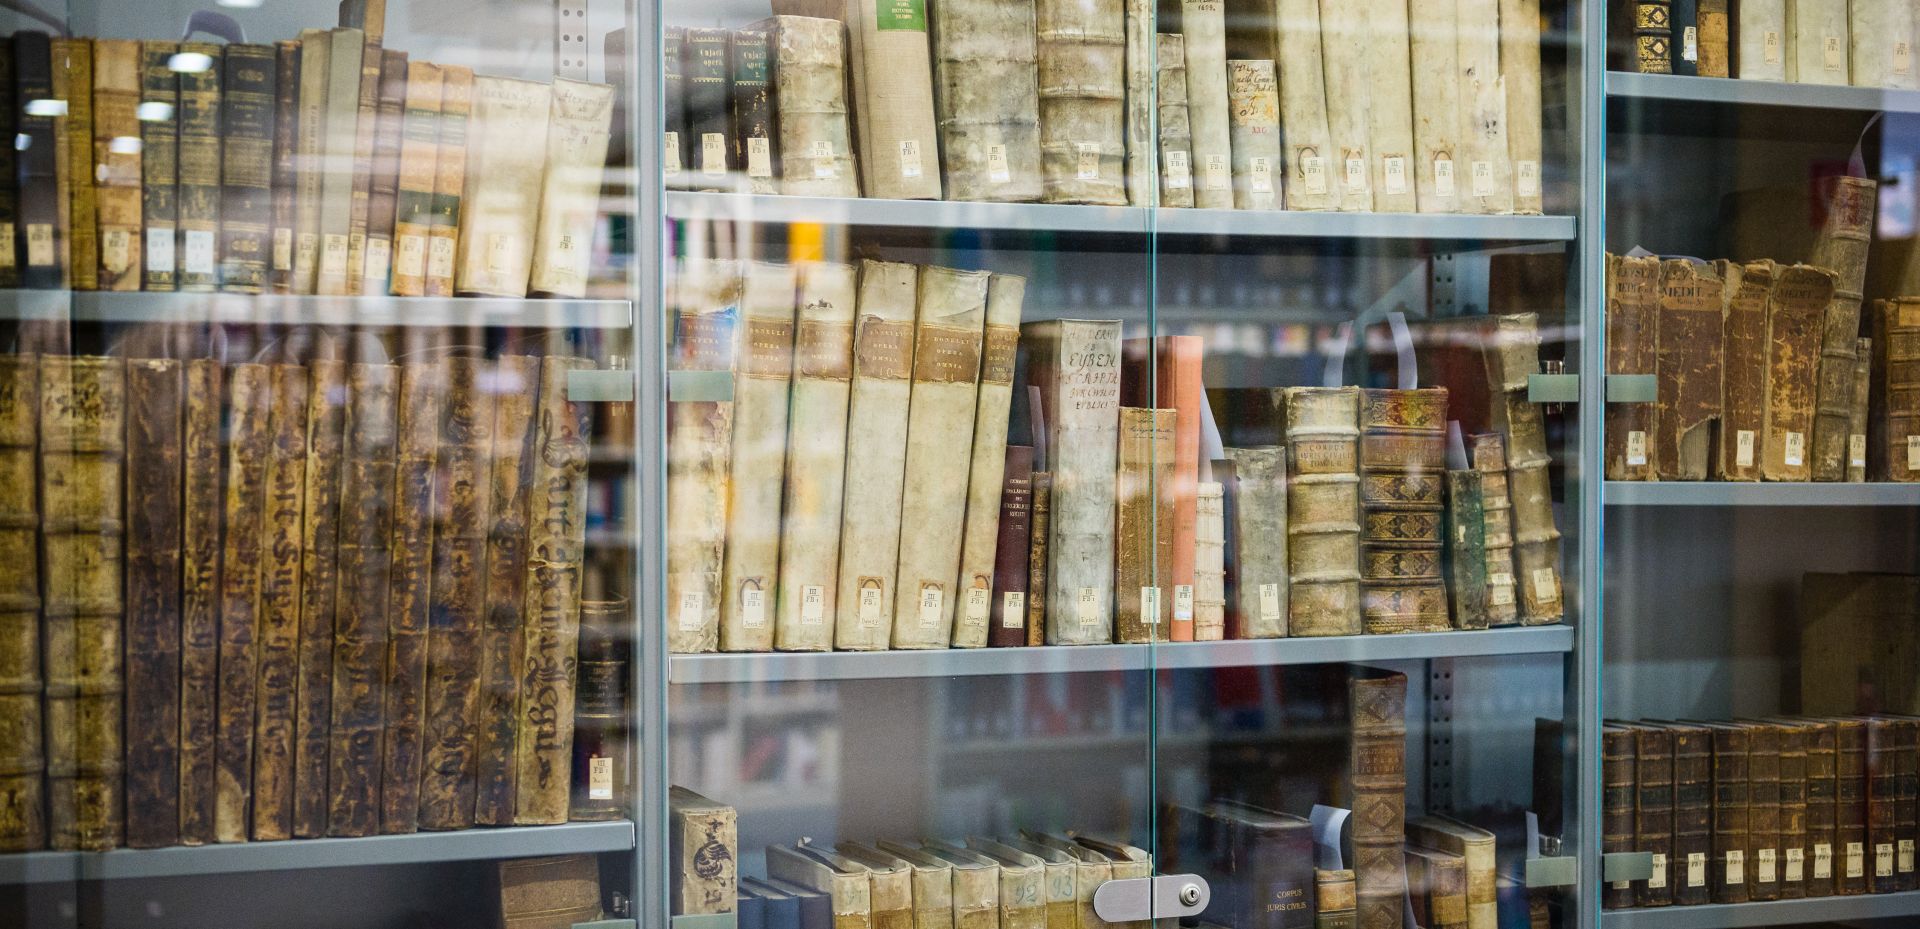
(1817, 910)
(280, 309)
(1716, 493)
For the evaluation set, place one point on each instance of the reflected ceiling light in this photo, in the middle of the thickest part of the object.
(154, 111)
(241, 4)
(190, 63)
(46, 107)
(124, 145)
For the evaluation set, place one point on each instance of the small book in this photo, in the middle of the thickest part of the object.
(159, 168)
(1209, 557)
(816, 459)
(576, 159)
(419, 158)
(1402, 462)
(700, 448)
(675, 153)
(1683, 37)
(1520, 71)
(1437, 888)
(1378, 707)
(500, 200)
(1476, 847)
(345, 48)
(449, 178)
(703, 62)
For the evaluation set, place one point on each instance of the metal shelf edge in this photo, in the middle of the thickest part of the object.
(1768, 913)
(150, 307)
(1734, 91)
(1721, 493)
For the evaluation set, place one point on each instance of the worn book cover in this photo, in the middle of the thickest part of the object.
(986, 98)
(1390, 92)
(1437, 121)
(200, 600)
(1039, 534)
(547, 893)
(1303, 105)
(1210, 556)
(345, 49)
(1012, 550)
(1850, 803)
(243, 556)
(1841, 247)
(1489, 452)
(1257, 585)
(1476, 846)
(154, 513)
(360, 624)
(1763, 811)
(1145, 546)
(1633, 321)
(1437, 888)
(500, 200)
(1142, 17)
(1513, 355)
(286, 163)
(809, 74)
(75, 60)
(1689, 331)
(1744, 397)
(502, 638)
(762, 375)
(750, 96)
(1075, 366)
(197, 256)
(1402, 463)
(319, 577)
(1484, 141)
(577, 133)
(883, 359)
(1796, 309)
(1894, 421)
(1881, 53)
(419, 149)
(310, 146)
(449, 178)
(1862, 410)
(1466, 554)
(1323, 510)
(383, 185)
(1378, 702)
(1346, 50)
(1082, 86)
(891, 76)
(699, 453)
(703, 64)
(1520, 71)
(891, 882)
(107, 193)
(1760, 40)
(159, 169)
(1653, 812)
(410, 573)
(245, 127)
(1818, 42)
(1617, 806)
(843, 881)
(365, 136)
(1253, 123)
(972, 606)
(1203, 26)
(808, 588)
(277, 637)
(1176, 133)
(152, 755)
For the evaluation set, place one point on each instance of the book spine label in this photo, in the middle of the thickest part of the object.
(1253, 119)
(246, 168)
(1082, 70)
(286, 165)
(750, 66)
(408, 603)
(1402, 455)
(449, 179)
(1323, 518)
(360, 625)
(893, 96)
(1145, 463)
(986, 98)
(419, 150)
(197, 254)
(383, 185)
(760, 395)
(502, 638)
(816, 459)
(319, 576)
(577, 134)
(1257, 599)
(505, 165)
(972, 606)
(23, 818)
(816, 135)
(279, 629)
(1841, 247)
(1176, 136)
(345, 49)
(1203, 24)
(200, 601)
(1010, 565)
(1761, 37)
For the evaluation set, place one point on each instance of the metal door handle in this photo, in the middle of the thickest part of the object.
(1144, 898)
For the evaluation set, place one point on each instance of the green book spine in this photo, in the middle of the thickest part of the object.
(1467, 548)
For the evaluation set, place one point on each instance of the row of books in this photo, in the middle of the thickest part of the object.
(1865, 43)
(362, 615)
(321, 165)
(1397, 107)
(1757, 810)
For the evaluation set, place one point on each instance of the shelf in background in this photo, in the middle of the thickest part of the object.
(959, 662)
(1720, 493)
(1733, 91)
(1816, 910)
(303, 854)
(267, 309)
(1055, 217)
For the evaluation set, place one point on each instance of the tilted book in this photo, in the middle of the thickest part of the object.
(360, 623)
(1346, 50)
(1484, 148)
(1520, 72)
(277, 635)
(449, 178)
(1323, 510)
(502, 644)
(893, 98)
(1082, 71)
(809, 81)
(1143, 560)
(877, 454)
(577, 134)
(1691, 308)
(1617, 807)
(286, 162)
(1894, 427)
(243, 556)
(1203, 25)
(1012, 550)
(1402, 463)
(1744, 398)
(1466, 533)
(972, 605)
(159, 168)
(816, 459)
(762, 374)
(154, 460)
(152, 754)
(500, 202)
(1760, 40)
(1841, 248)
(1633, 325)
(1303, 105)
(940, 425)
(699, 453)
(75, 59)
(1075, 364)
(383, 186)
(113, 172)
(1796, 309)
(1209, 559)
(750, 71)
(1253, 122)
(1476, 846)
(344, 51)
(1378, 702)
(319, 578)
(986, 98)
(246, 167)
(200, 601)
(1176, 136)
(201, 132)
(407, 593)
(1882, 44)
(1818, 42)
(419, 158)
(1257, 530)
(310, 147)
(1391, 151)
(1142, 102)
(1512, 357)
(1490, 459)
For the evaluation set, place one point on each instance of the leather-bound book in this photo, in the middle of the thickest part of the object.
(1435, 64)
(1618, 795)
(675, 154)
(366, 97)
(750, 97)
(200, 600)
(940, 432)
(246, 167)
(1490, 459)
(243, 557)
(1822, 807)
(1008, 622)
(843, 881)
(1513, 356)
(82, 446)
(1437, 888)
(1883, 803)
(286, 164)
(1894, 418)
(197, 257)
(419, 157)
(319, 578)
(1466, 554)
(10, 240)
(1850, 802)
(1653, 811)
(1209, 557)
(159, 168)
(1269, 867)
(1257, 595)
(107, 197)
(877, 411)
(577, 135)
(74, 78)
(1379, 779)
(1253, 123)
(500, 202)
(1744, 365)
(1038, 535)
(1484, 146)
(1303, 105)
(1732, 813)
(1075, 364)
(23, 822)
(887, 53)
(973, 606)
(1689, 335)
(1171, 366)
(1334, 900)
(345, 49)
(1693, 813)
(1346, 49)
(1082, 92)
(310, 145)
(1176, 133)
(1143, 545)
(383, 185)
(360, 623)
(556, 551)
(502, 645)
(1323, 510)
(986, 98)
(462, 517)
(1793, 807)
(37, 165)
(408, 594)
(816, 137)
(1203, 28)
(816, 459)
(449, 177)
(700, 451)
(1907, 813)
(154, 440)
(1763, 811)
(760, 387)
(1520, 41)
(1841, 247)
(602, 738)
(277, 636)
(1402, 463)
(1391, 100)
(549, 893)
(1861, 413)
(1881, 53)
(1633, 324)
(1684, 36)
(1795, 310)
(1716, 54)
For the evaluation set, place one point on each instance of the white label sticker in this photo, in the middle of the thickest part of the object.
(1906, 856)
(670, 157)
(1013, 609)
(1269, 603)
(1659, 878)
(160, 250)
(1736, 866)
(1765, 866)
(1179, 170)
(1795, 451)
(759, 156)
(199, 251)
(1690, 43)
(1150, 605)
(870, 607)
(283, 249)
(1183, 603)
(1796, 864)
(1913, 452)
(932, 599)
(713, 153)
(1483, 178)
(1696, 869)
(1770, 46)
(379, 262)
(1902, 56)
(599, 778)
(753, 608)
(1356, 174)
(1857, 450)
(821, 151)
(1086, 606)
(979, 604)
(1261, 175)
(410, 258)
(1636, 447)
(1545, 585)
(693, 606)
(333, 255)
(1822, 861)
(1216, 173)
(813, 604)
(306, 249)
(1883, 859)
(1856, 859)
(1744, 442)
(997, 169)
(1443, 177)
(439, 257)
(1393, 174)
(1834, 48)
(1313, 173)
(1526, 178)
(1500, 589)
(116, 250)
(910, 166)
(503, 252)
(1087, 166)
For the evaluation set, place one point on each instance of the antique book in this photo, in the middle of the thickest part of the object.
(277, 634)
(200, 599)
(1141, 100)
(816, 459)
(310, 144)
(64, 137)
(1744, 366)
(1266, 866)
(1855, 639)
(1476, 846)
(319, 578)
(843, 881)
(1253, 122)
(82, 446)
(1850, 803)
(1257, 587)
(1346, 52)
(1082, 92)
(986, 99)
(37, 166)
(1894, 419)
(1466, 554)
(1760, 40)
(1512, 356)
(1822, 806)
(889, 881)
(1817, 42)
(1618, 796)
(502, 642)
(887, 53)
(946, 375)
(1484, 145)
(1883, 803)
(1008, 621)
(1379, 779)
(1023, 897)
(408, 592)
(462, 514)
(933, 883)
(1633, 325)
(383, 186)
(286, 162)
(703, 841)
(1038, 535)
(1791, 860)
(1796, 308)
(153, 578)
(1763, 871)
(107, 192)
(550, 612)
(419, 157)
(1334, 900)
(1176, 133)
(1437, 888)
(1862, 405)
(345, 49)
(1654, 811)
(1203, 27)
(200, 193)
(1303, 105)
(365, 137)
(9, 174)
(159, 168)
(499, 201)
(1143, 518)
(1075, 366)
(1881, 53)
(1693, 813)
(976, 884)
(675, 138)
(1402, 463)
(549, 893)
(1165, 373)
(449, 177)
(1126, 862)
(1689, 365)
(1209, 562)
(1715, 53)
(153, 631)
(1684, 37)
(361, 609)
(1841, 247)
(1437, 125)
(973, 590)
(247, 99)
(1390, 97)
(750, 97)
(577, 135)
(763, 373)
(703, 63)
(1520, 72)
(700, 451)
(1059, 882)
(809, 80)
(1490, 459)
(73, 61)
(1323, 510)
(883, 365)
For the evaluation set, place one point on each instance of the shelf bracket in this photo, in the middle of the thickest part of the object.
(1632, 388)
(570, 48)
(696, 386)
(1553, 388)
(1626, 866)
(600, 386)
(1556, 871)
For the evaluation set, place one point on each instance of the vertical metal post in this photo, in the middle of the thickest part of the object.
(570, 47)
(1584, 473)
(1439, 736)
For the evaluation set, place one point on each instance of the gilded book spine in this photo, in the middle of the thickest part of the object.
(1323, 510)
(1253, 120)
(1490, 459)
(1259, 532)
(449, 177)
(75, 60)
(1144, 544)
(360, 625)
(1176, 137)
(760, 390)
(1437, 125)
(1467, 548)
(1379, 773)
(23, 823)
(159, 167)
(816, 459)
(986, 98)
(1744, 399)
(199, 198)
(500, 204)
(246, 168)
(419, 151)
(502, 649)
(556, 549)
(1203, 24)
(877, 454)
(286, 163)
(577, 134)
(410, 573)
(154, 514)
(809, 75)
(1796, 308)
(319, 577)
(1303, 105)
(242, 555)
(112, 178)
(1632, 327)
(1520, 72)
(311, 147)
(1483, 109)
(973, 589)
(1895, 415)
(200, 601)
(1391, 152)
(280, 594)
(1209, 563)
(1402, 460)
(1691, 320)
(1842, 248)
(1082, 69)
(1076, 366)
(1346, 52)
(1512, 358)
(893, 98)
(462, 510)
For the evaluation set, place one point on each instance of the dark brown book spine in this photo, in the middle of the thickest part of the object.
(242, 554)
(159, 166)
(1845, 235)
(1850, 851)
(36, 167)
(502, 658)
(1379, 772)
(1744, 394)
(1042, 488)
(600, 734)
(1793, 810)
(1883, 804)
(1894, 425)
(366, 131)
(23, 818)
(1653, 812)
(1822, 808)
(197, 257)
(383, 197)
(1763, 816)
(246, 168)
(1732, 809)
(408, 596)
(200, 601)
(360, 626)
(462, 504)
(279, 643)
(319, 577)
(286, 165)
(1691, 305)
(1008, 625)
(154, 440)
(1693, 797)
(1907, 814)
(1617, 807)
(1795, 309)
(1633, 307)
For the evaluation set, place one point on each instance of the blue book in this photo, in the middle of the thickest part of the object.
(801, 908)
(749, 909)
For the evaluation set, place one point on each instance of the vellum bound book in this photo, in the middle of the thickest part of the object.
(1391, 150)
(1520, 72)
(1303, 105)
(699, 456)
(1176, 137)
(1258, 594)
(1402, 468)
(1817, 42)
(1141, 102)
(762, 371)
(877, 466)
(808, 588)
(986, 98)
(1513, 356)
(1483, 109)
(1882, 52)
(1437, 125)
(501, 200)
(1082, 68)
(1075, 364)
(1760, 35)
(1203, 26)
(1253, 119)
(809, 89)
(1323, 510)
(972, 605)
(578, 130)
(1345, 48)
(892, 98)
